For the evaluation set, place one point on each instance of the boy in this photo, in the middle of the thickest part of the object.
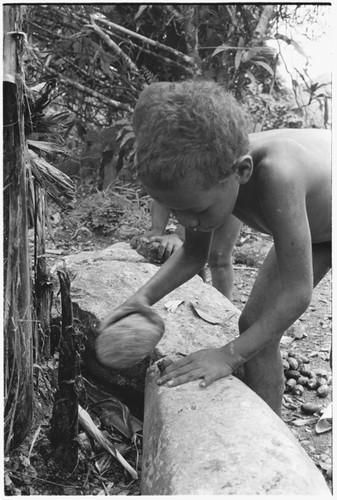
(220, 255)
(194, 157)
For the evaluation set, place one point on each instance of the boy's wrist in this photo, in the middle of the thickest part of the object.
(232, 356)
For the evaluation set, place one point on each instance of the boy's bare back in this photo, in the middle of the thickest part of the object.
(282, 158)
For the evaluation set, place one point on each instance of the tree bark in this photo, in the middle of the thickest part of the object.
(18, 324)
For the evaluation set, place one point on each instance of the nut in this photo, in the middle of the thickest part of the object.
(298, 389)
(306, 372)
(312, 384)
(293, 374)
(293, 363)
(302, 380)
(322, 391)
(310, 408)
(291, 383)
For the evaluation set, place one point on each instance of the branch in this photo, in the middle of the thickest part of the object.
(165, 59)
(92, 93)
(112, 44)
(177, 53)
(262, 26)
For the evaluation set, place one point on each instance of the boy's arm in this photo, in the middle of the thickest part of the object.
(185, 263)
(160, 216)
(284, 205)
(168, 243)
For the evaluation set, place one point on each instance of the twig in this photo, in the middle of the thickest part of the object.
(245, 267)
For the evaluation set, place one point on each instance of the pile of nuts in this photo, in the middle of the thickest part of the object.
(299, 375)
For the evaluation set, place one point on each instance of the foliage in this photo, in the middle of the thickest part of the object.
(104, 211)
(100, 51)
(103, 55)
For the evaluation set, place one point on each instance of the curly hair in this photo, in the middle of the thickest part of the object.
(187, 129)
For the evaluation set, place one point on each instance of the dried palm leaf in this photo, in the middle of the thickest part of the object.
(87, 423)
(46, 146)
(55, 182)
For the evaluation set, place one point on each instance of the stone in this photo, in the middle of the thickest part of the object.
(99, 283)
(219, 440)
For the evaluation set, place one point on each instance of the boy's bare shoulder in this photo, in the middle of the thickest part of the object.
(305, 149)
(284, 140)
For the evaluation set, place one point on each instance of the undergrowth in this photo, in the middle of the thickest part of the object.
(104, 211)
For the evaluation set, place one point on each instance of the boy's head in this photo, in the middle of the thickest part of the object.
(192, 129)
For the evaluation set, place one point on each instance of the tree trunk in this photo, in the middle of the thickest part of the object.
(262, 26)
(64, 429)
(18, 324)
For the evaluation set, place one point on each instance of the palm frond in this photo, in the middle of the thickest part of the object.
(46, 146)
(56, 183)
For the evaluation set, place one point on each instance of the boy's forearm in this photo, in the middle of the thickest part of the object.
(160, 216)
(174, 272)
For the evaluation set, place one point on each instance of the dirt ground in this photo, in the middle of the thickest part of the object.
(31, 470)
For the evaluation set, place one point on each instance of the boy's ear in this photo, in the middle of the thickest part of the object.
(244, 168)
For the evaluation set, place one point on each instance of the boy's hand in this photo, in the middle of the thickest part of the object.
(168, 244)
(207, 364)
(136, 239)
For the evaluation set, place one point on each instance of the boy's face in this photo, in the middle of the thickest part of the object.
(198, 208)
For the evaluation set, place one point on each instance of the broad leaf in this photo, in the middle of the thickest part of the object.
(224, 47)
(265, 66)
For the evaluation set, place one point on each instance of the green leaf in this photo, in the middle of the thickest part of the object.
(140, 11)
(257, 52)
(224, 47)
(241, 42)
(251, 76)
(265, 66)
(237, 60)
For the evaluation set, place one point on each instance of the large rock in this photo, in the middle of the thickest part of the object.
(103, 280)
(220, 440)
